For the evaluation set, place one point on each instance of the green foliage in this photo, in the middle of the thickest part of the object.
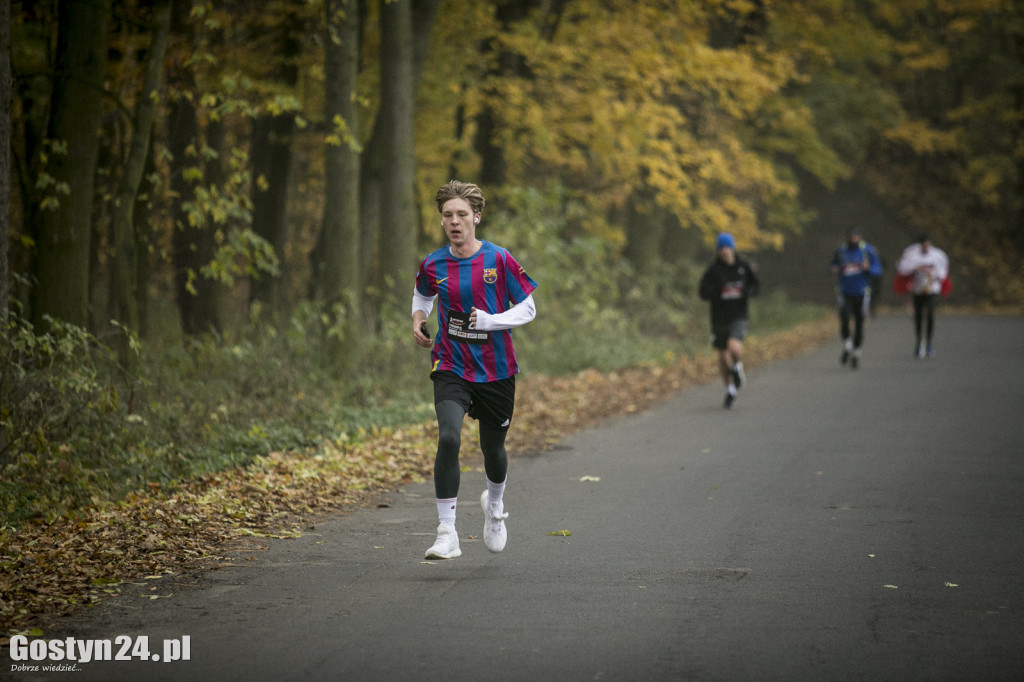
(82, 434)
(775, 312)
(593, 310)
(56, 401)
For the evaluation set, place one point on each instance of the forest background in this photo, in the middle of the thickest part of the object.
(213, 211)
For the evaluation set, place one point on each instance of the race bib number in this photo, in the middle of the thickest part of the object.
(459, 329)
(732, 291)
(853, 268)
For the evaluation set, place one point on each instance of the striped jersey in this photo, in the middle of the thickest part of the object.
(490, 280)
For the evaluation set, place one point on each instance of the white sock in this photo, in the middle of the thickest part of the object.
(495, 491)
(731, 390)
(446, 511)
(848, 344)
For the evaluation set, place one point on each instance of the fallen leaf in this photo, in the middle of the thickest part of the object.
(591, 478)
(891, 587)
(564, 533)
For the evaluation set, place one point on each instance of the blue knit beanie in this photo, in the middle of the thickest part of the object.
(725, 239)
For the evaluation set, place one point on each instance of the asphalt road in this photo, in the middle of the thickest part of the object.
(834, 525)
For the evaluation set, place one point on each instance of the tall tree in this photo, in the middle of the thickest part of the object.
(124, 268)
(504, 63)
(64, 224)
(336, 261)
(5, 153)
(192, 241)
(272, 141)
(372, 164)
(405, 30)
(398, 202)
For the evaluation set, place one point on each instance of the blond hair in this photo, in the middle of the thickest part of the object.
(454, 189)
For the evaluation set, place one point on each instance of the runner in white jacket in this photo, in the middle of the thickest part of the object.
(929, 266)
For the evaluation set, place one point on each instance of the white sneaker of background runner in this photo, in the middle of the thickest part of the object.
(447, 544)
(494, 524)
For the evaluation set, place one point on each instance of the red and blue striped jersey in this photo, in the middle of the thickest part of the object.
(490, 280)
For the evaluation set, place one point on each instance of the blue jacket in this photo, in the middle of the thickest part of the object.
(856, 266)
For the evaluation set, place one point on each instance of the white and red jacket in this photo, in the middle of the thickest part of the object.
(929, 269)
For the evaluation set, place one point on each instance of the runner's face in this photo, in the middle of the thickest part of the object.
(458, 219)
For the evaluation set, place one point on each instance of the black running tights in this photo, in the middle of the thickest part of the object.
(449, 441)
(924, 315)
(852, 307)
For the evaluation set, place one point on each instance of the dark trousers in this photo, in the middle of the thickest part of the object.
(924, 316)
(851, 308)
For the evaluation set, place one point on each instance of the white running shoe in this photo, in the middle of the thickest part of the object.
(447, 544)
(738, 376)
(494, 524)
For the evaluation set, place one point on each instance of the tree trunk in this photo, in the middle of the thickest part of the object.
(6, 86)
(375, 198)
(493, 165)
(336, 259)
(398, 214)
(144, 235)
(398, 201)
(271, 161)
(192, 248)
(64, 225)
(272, 141)
(123, 283)
(336, 272)
(645, 232)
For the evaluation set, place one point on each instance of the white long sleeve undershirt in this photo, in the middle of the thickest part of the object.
(421, 302)
(516, 316)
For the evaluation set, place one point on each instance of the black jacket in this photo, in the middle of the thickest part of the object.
(727, 288)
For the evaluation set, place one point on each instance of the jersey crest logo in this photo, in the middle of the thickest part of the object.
(490, 275)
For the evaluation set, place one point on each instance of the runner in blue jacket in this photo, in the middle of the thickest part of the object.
(855, 263)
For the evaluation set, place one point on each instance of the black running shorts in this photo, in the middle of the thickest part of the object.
(490, 401)
(736, 329)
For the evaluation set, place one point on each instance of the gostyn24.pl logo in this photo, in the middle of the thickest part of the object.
(66, 654)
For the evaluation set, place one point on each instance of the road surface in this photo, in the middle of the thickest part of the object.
(834, 525)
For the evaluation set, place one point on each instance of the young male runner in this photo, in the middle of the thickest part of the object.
(482, 293)
(727, 284)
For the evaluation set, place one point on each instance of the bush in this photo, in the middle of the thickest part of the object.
(56, 397)
(77, 430)
(593, 311)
